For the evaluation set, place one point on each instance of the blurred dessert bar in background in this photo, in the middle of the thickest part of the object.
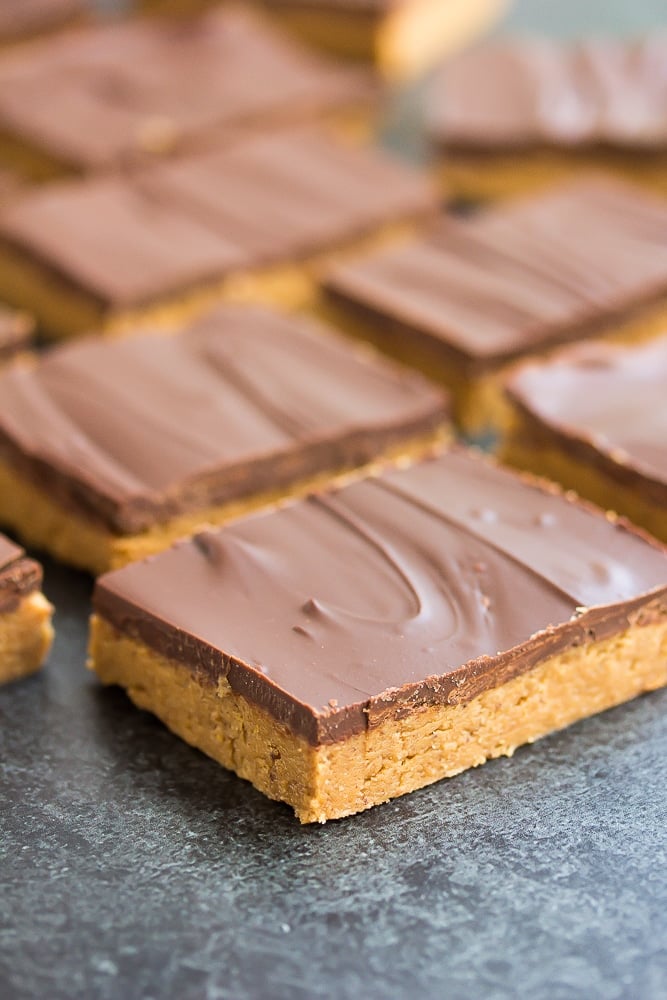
(403, 37)
(105, 95)
(519, 113)
(25, 614)
(357, 645)
(477, 293)
(248, 222)
(16, 330)
(111, 449)
(594, 418)
(24, 19)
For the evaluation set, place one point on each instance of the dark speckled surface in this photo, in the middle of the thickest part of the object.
(133, 867)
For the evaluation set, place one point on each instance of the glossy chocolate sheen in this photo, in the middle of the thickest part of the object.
(15, 332)
(510, 280)
(133, 431)
(426, 586)
(103, 95)
(518, 93)
(275, 197)
(21, 18)
(19, 576)
(608, 404)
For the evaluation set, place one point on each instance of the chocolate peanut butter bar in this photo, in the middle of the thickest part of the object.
(594, 418)
(357, 645)
(111, 93)
(252, 221)
(517, 114)
(478, 293)
(402, 37)
(110, 449)
(16, 331)
(25, 614)
(23, 19)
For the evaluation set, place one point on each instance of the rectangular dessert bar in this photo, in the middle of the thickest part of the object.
(516, 114)
(16, 330)
(110, 449)
(477, 293)
(594, 418)
(25, 614)
(355, 646)
(252, 221)
(24, 19)
(402, 37)
(111, 93)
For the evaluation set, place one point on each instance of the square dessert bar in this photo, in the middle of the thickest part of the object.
(477, 293)
(521, 113)
(23, 19)
(355, 646)
(594, 418)
(25, 614)
(252, 221)
(105, 95)
(110, 449)
(16, 330)
(402, 37)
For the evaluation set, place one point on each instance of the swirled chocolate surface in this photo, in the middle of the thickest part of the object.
(132, 431)
(103, 95)
(19, 576)
(545, 269)
(275, 197)
(607, 404)
(424, 586)
(518, 93)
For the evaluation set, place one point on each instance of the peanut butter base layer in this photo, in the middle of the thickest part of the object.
(494, 176)
(562, 467)
(26, 635)
(347, 33)
(478, 401)
(63, 311)
(398, 755)
(44, 524)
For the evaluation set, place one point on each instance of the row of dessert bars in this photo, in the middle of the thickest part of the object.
(401, 37)
(501, 118)
(429, 610)
(300, 573)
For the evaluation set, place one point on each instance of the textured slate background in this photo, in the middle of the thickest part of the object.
(133, 867)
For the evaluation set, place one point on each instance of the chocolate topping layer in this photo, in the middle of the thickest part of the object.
(425, 586)
(512, 279)
(610, 406)
(19, 576)
(518, 93)
(21, 18)
(108, 93)
(274, 197)
(131, 432)
(15, 332)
